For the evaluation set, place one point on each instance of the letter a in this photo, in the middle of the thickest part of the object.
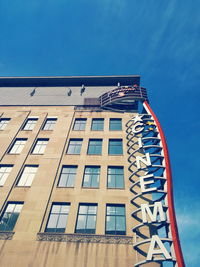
(157, 248)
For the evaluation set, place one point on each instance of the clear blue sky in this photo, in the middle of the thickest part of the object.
(158, 39)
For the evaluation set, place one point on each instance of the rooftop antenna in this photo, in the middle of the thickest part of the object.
(69, 92)
(82, 89)
(33, 92)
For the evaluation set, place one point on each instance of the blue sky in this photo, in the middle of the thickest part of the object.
(157, 39)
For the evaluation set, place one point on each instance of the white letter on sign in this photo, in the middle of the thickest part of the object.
(160, 248)
(143, 183)
(140, 127)
(146, 161)
(158, 208)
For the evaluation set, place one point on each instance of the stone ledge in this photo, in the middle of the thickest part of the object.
(6, 235)
(85, 238)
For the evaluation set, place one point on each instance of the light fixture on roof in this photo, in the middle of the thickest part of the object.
(33, 92)
(82, 89)
(69, 92)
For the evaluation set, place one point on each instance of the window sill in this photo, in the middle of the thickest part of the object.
(6, 235)
(85, 238)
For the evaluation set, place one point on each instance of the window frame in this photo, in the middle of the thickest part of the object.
(111, 120)
(19, 145)
(116, 232)
(86, 219)
(91, 176)
(75, 167)
(4, 125)
(35, 119)
(79, 124)
(41, 145)
(68, 204)
(115, 177)
(101, 128)
(20, 176)
(2, 174)
(45, 123)
(74, 146)
(95, 147)
(10, 219)
(111, 146)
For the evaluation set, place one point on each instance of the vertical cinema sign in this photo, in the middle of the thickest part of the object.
(151, 180)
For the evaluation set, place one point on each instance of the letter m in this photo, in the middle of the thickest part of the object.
(157, 209)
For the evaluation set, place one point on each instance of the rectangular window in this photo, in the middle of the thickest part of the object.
(91, 176)
(74, 146)
(4, 173)
(115, 177)
(97, 124)
(115, 147)
(115, 219)
(3, 123)
(40, 146)
(95, 147)
(115, 125)
(86, 220)
(49, 124)
(58, 217)
(17, 146)
(67, 176)
(27, 176)
(10, 216)
(30, 124)
(79, 124)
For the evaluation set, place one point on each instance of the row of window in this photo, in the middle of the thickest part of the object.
(57, 221)
(115, 146)
(79, 124)
(115, 176)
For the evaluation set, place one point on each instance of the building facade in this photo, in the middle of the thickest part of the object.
(67, 165)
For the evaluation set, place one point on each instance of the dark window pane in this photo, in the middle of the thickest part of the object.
(115, 125)
(115, 147)
(95, 147)
(97, 124)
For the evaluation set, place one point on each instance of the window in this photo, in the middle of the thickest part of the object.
(58, 217)
(79, 124)
(115, 177)
(115, 147)
(115, 125)
(27, 176)
(115, 219)
(49, 124)
(30, 124)
(95, 147)
(10, 216)
(3, 123)
(97, 124)
(86, 221)
(17, 146)
(4, 173)
(40, 146)
(67, 176)
(91, 176)
(74, 146)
